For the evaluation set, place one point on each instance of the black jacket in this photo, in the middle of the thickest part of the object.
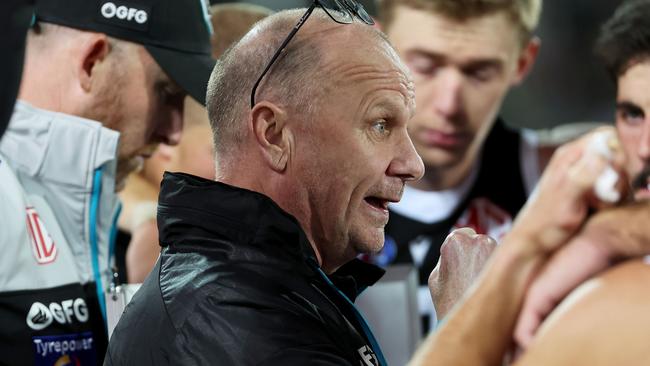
(237, 284)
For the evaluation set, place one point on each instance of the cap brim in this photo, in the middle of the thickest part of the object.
(190, 70)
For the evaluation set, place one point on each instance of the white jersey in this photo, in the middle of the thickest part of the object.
(57, 208)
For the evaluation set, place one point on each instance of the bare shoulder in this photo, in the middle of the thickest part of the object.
(606, 321)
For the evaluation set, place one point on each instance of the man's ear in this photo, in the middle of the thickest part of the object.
(527, 60)
(274, 138)
(93, 52)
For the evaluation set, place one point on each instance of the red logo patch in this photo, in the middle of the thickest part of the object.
(485, 218)
(42, 244)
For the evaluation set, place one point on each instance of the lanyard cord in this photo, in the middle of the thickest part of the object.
(360, 318)
(94, 246)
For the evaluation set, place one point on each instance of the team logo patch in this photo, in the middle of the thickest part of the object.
(68, 311)
(485, 218)
(43, 246)
(65, 350)
(123, 14)
(368, 357)
(39, 316)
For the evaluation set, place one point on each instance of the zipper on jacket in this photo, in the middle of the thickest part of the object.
(112, 239)
(360, 318)
(94, 245)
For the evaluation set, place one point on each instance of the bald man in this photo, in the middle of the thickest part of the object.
(259, 268)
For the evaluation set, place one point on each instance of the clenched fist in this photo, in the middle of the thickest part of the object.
(462, 257)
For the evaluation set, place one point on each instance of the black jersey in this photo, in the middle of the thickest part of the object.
(488, 206)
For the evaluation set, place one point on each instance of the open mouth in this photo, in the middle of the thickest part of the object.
(378, 203)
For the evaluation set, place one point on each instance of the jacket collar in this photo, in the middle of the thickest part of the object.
(218, 212)
(67, 166)
(355, 276)
(58, 147)
(196, 211)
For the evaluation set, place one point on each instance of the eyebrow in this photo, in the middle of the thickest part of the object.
(629, 106)
(474, 63)
(388, 108)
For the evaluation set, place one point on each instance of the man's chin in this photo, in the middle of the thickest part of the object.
(372, 243)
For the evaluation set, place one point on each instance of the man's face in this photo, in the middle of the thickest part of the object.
(143, 104)
(633, 124)
(354, 154)
(462, 71)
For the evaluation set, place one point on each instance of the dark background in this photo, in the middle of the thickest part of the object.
(568, 84)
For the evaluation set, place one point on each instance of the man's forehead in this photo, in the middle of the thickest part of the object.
(484, 37)
(156, 73)
(376, 65)
(357, 44)
(354, 54)
(634, 84)
(380, 91)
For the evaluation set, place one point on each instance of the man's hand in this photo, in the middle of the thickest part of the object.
(560, 203)
(479, 330)
(608, 236)
(462, 257)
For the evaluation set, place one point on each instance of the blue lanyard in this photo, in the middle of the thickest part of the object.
(360, 318)
(113, 236)
(94, 245)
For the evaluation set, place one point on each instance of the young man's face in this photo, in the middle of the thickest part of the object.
(462, 71)
(633, 124)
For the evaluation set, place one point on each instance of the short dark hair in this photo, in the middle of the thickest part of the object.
(624, 39)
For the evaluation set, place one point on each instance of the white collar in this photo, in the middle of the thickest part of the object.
(60, 147)
(433, 206)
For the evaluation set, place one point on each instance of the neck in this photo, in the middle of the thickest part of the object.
(42, 85)
(249, 175)
(293, 202)
(45, 97)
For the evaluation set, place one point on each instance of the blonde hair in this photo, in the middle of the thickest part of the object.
(231, 22)
(524, 13)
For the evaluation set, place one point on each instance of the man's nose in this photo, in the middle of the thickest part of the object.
(643, 150)
(170, 128)
(446, 98)
(406, 164)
